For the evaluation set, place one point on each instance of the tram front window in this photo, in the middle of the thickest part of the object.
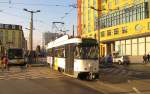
(15, 53)
(86, 52)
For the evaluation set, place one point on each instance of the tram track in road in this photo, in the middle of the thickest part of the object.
(137, 82)
(103, 87)
(33, 73)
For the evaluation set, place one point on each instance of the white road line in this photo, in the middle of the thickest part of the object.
(136, 90)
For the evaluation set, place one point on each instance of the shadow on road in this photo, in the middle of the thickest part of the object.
(116, 74)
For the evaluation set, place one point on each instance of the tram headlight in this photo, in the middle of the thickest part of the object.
(89, 65)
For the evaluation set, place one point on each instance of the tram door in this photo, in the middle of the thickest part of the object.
(69, 52)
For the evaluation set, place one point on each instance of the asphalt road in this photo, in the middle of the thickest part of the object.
(39, 80)
(42, 80)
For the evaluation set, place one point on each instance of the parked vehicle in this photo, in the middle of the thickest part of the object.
(124, 59)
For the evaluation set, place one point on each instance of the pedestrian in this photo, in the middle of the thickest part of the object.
(110, 59)
(5, 63)
(145, 58)
(148, 58)
(2, 63)
(29, 59)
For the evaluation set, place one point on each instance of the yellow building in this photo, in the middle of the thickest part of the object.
(124, 26)
(11, 36)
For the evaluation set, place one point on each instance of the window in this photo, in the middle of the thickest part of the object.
(20, 27)
(1, 35)
(13, 26)
(116, 2)
(108, 32)
(89, 19)
(116, 31)
(104, 1)
(110, 5)
(6, 26)
(102, 34)
(126, 15)
(148, 25)
(1, 26)
(124, 30)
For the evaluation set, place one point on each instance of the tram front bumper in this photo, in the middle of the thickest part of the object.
(87, 74)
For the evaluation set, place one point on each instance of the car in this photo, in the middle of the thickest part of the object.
(121, 59)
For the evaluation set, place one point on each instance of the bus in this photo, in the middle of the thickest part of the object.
(16, 56)
(77, 57)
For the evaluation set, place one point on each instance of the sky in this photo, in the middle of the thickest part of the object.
(11, 12)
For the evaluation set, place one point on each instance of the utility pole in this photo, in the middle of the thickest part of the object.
(31, 28)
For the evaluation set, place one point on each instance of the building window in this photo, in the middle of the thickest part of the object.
(110, 5)
(1, 26)
(148, 25)
(13, 26)
(108, 32)
(124, 30)
(1, 36)
(116, 31)
(126, 15)
(95, 13)
(89, 17)
(6, 35)
(6, 26)
(102, 34)
(20, 27)
(116, 2)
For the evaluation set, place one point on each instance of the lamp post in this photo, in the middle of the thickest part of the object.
(31, 28)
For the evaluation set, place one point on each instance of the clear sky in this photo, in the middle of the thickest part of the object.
(11, 12)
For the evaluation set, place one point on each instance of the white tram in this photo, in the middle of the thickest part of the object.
(74, 56)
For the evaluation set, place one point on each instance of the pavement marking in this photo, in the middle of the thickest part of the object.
(136, 90)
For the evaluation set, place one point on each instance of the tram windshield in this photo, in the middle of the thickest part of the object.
(15, 53)
(89, 52)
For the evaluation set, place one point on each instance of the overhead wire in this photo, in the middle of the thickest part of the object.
(66, 14)
(73, 6)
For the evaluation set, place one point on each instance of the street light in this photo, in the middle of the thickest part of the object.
(31, 28)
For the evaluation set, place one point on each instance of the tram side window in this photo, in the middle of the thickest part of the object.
(60, 52)
(50, 52)
(56, 53)
(77, 52)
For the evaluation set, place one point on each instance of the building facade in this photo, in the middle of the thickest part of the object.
(48, 36)
(11, 36)
(123, 26)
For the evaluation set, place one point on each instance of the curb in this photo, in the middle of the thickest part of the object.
(69, 75)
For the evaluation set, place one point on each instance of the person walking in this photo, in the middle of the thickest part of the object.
(145, 58)
(2, 63)
(5, 63)
(29, 59)
(148, 58)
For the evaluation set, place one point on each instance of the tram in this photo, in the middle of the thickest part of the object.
(74, 56)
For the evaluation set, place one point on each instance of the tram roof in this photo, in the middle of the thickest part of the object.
(64, 42)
